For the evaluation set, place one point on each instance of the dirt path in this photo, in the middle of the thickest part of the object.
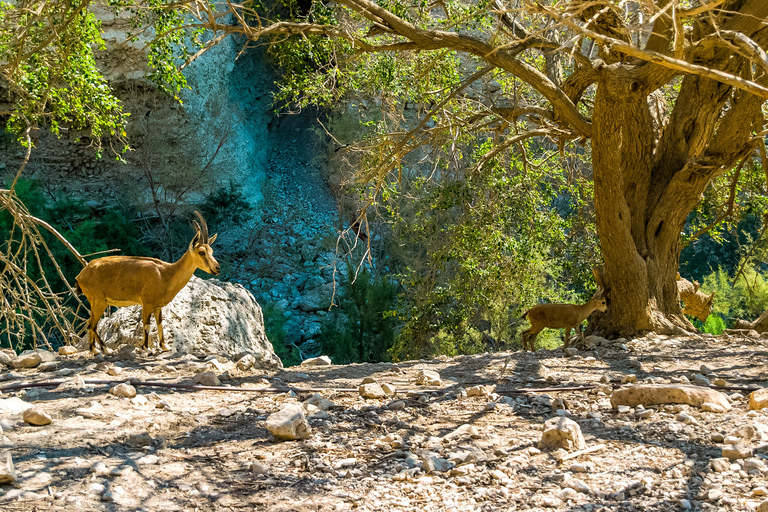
(208, 450)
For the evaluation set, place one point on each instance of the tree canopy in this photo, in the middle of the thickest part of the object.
(663, 96)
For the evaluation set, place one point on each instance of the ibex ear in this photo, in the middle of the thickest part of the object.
(194, 241)
(212, 239)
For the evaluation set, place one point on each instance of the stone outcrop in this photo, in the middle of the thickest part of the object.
(207, 316)
(651, 394)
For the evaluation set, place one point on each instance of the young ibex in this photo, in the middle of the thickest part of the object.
(558, 316)
(152, 283)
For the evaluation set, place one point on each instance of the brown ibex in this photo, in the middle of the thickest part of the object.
(152, 283)
(559, 316)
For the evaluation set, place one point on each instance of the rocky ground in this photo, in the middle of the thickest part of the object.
(456, 444)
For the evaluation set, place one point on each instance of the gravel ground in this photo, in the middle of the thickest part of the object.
(461, 444)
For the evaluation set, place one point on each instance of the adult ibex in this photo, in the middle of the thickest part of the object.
(559, 316)
(152, 283)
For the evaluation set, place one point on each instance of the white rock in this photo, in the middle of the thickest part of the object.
(289, 422)
(206, 316)
(13, 405)
(318, 401)
(246, 362)
(207, 379)
(371, 390)
(563, 433)
(124, 390)
(7, 471)
(428, 378)
(317, 361)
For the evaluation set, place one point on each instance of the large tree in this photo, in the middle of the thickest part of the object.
(668, 94)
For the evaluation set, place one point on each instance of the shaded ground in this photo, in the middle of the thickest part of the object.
(368, 454)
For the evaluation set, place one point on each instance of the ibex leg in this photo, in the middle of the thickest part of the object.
(97, 309)
(159, 320)
(145, 316)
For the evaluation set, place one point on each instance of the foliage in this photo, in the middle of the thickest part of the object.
(362, 328)
(746, 297)
(714, 325)
(274, 326)
(226, 207)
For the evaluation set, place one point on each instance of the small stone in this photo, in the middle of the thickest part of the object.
(481, 390)
(465, 429)
(763, 507)
(246, 362)
(623, 409)
(737, 451)
(36, 417)
(139, 440)
(432, 462)
(317, 361)
(207, 379)
(701, 380)
(67, 350)
(578, 467)
(705, 370)
(719, 382)
(684, 504)
(50, 366)
(7, 471)
(571, 351)
(99, 468)
(758, 399)
(258, 468)
(567, 494)
(428, 378)
(96, 488)
(318, 401)
(397, 405)
(114, 370)
(27, 360)
(711, 407)
(148, 460)
(717, 437)
(388, 388)
(289, 423)
(124, 390)
(563, 433)
(629, 379)
(720, 465)
(371, 390)
(644, 414)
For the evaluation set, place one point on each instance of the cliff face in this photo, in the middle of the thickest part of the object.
(219, 133)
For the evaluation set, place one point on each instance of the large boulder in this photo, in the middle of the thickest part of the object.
(206, 316)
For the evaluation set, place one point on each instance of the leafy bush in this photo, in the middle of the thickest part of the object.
(746, 298)
(274, 326)
(362, 329)
(226, 206)
(714, 325)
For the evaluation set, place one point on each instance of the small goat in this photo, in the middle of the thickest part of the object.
(152, 283)
(559, 316)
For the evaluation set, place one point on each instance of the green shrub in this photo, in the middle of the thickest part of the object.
(714, 325)
(746, 298)
(226, 206)
(362, 329)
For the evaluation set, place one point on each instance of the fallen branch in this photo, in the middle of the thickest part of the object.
(591, 449)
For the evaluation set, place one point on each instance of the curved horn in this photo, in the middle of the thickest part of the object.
(203, 228)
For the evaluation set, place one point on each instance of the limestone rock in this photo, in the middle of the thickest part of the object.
(206, 316)
(428, 378)
(5, 359)
(36, 417)
(27, 360)
(371, 390)
(246, 362)
(650, 394)
(763, 507)
(388, 388)
(562, 433)
(432, 462)
(317, 361)
(207, 379)
(318, 401)
(758, 399)
(67, 350)
(13, 405)
(7, 471)
(737, 451)
(289, 422)
(123, 390)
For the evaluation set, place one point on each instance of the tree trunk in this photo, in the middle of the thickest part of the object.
(641, 254)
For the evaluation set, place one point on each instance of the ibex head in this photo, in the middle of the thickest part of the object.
(200, 248)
